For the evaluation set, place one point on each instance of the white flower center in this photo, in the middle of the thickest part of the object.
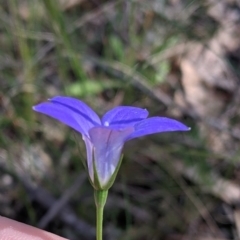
(106, 124)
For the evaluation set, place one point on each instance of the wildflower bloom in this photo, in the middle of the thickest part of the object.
(105, 138)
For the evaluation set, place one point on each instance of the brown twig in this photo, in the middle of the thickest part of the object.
(46, 200)
(62, 202)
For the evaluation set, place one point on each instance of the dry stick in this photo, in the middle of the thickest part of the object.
(66, 215)
(62, 202)
(45, 199)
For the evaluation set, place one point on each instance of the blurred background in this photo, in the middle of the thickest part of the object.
(177, 58)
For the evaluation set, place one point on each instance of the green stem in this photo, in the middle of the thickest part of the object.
(100, 197)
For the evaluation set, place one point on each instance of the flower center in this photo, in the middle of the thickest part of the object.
(106, 124)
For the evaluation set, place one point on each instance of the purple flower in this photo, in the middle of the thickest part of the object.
(104, 138)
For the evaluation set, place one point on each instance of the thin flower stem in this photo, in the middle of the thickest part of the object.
(100, 200)
(99, 223)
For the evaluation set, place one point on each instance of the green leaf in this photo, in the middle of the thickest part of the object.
(90, 87)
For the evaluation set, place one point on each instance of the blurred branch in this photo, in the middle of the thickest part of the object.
(62, 202)
(66, 214)
(46, 200)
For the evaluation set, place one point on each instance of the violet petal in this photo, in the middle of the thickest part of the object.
(89, 148)
(107, 145)
(124, 116)
(78, 107)
(156, 125)
(64, 115)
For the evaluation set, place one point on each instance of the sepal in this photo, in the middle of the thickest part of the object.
(96, 182)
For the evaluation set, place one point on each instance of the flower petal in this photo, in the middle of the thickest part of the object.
(61, 113)
(156, 125)
(78, 107)
(65, 115)
(124, 116)
(107, 144)
(71, 112)
(89, 148)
